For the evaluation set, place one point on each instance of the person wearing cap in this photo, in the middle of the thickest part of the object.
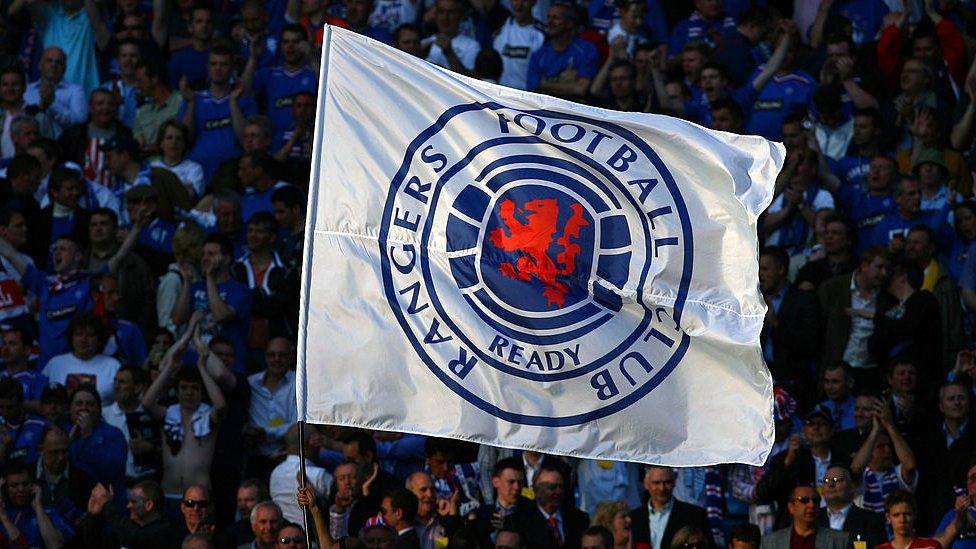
(122, 161)
(932, 173)
(926, 138)
(805, 460)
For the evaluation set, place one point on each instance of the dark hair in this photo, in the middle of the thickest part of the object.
(550, 467)
(606, 538)
(826, 98)
(716, 67)
(838, 217)
(11, 389)
(900, 496)
(222, 50)
(49, 147)
(153, 68)
(181, 127)
(913, 273)
(926, 230)
(839, 365)
(16, 467)
(730, 105)
(507, 463)
(262, 487)
(295, 28)
(262, 160)
(404, 27)
(152, 492)
(745, 532)
(872, 113)
(265, 220)
(488, 64)
(435, 445)
(15, 68)
(87, 388)
(869, 254)
(107, 212)
(24, 335)
(22, 164)
(406, 501)
(60, 174)
(778, 254)
(226, 247)
(139, 376)
(86, 321)
(189, 374)
(365, 442)
(289, 195)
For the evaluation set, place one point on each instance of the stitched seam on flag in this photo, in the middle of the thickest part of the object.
(628, 292)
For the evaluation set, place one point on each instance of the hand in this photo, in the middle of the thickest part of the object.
(569, 73)
(658, 58)
(618, 48)
(306, 496)
(443, 41)
(371, 479)
(960, 505)
(845, 68)
(792, 449)
(256, 49)
(965, 362)
(893, 19)
(36, 502)
(792, 196)
(237, 91)
(46, 93)
(883, 415)
(100, 495)
(185, 89)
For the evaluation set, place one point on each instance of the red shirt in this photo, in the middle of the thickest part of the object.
(803, 542)
(917, 543)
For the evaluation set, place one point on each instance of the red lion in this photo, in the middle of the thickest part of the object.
(533, 240)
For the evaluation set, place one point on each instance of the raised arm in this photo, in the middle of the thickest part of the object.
(166, 369)
(863, 454)
(13, 256)
(53, 539)
(138, 224)
(904, 452)
(160, 31)
(236, 116)
(214, 392)
(214, 366)
(776, 60)
(99, 28)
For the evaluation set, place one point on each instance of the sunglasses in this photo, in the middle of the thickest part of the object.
(194, 503)
(293, 539)
(807, 499)
(830, 481)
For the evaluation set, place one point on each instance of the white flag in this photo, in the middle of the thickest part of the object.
(512, 269)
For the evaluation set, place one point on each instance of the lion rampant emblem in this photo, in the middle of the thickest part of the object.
(533, 238)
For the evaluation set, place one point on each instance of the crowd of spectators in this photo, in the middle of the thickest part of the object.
(155, 158)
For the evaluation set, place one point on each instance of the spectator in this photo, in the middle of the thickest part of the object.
(124, 341)
(803, 505)
(187, 67)
(22, 498)
(96, 447)
(132, 419)
(23, 131)
(13, 84)
(449, 48)
(406, 38)
(744, 536)
(788, 91)
(288, 206)
(15, 354)
(186, 460)
(82, 143)
(145, 527)
(215, 116)
(708, 22)
(360, 446)
(197, 511)
(295, 144)
(900, 511)
(790, 328)
(172, 143)
(854, 166)
(256, 173)
(399, 509)
(249, 494)
(837, 383)
(266, 521)
(84, 364)
(873, 460)
(790, 218)
(273, 407)
(519, 38)
(284, 483)
(122, 85)
(613, 516)
(63, 216)
(842, 514)
(187, 251)
(508, 480)
(433, 521)
(161, 104)
(565, 64)
(276, 87)
(848, 304)
(222, 304)
(549, 523)
(58, 94)
(133, 277)
(958, 521)
(838, 241)
(661, 505)
(358, 16)
(64, 487)
(22, 432)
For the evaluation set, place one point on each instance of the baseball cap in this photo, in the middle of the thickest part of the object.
(121, 142)
(820, 411)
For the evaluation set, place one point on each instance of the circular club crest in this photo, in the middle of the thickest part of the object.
(517, 249)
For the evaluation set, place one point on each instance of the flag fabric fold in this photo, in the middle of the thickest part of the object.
(513, 269)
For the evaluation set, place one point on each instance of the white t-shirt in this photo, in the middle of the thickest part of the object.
(72, 372)
(465, 48)
(189, 172)
(284, 485)
(516, 44)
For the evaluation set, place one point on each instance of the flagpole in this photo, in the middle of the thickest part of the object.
(301, 479)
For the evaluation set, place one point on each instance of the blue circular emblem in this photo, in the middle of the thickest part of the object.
(522, 254)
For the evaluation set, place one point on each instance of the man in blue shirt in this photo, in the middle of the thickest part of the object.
(854, 166)
(867, 205)
(707, 23)
(190, 63)
(42, 527)
(215, 116)
(275, 87)
(16, 360)
(222, 303)
(64, 292)
(565, 64)
(789, 91)
(22, 432)
(254, 172)
(895, 225)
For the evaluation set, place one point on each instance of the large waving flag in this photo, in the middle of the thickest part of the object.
(507, 268)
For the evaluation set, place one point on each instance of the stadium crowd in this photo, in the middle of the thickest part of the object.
(155, 158)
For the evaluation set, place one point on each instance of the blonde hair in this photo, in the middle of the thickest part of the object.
(606, 511)
(188, 243)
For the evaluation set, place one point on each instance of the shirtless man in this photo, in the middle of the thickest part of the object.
(190, 426)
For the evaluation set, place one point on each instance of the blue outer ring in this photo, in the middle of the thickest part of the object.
(638, 393)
